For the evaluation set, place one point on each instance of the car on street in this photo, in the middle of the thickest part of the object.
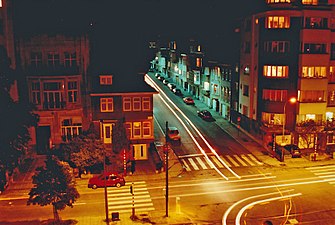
(188, 100)
(294, 150)
(157, 75)
(205, 115)
(112, 180)
(173, 134)
(171, 86)
(177, 91)
(166, 81)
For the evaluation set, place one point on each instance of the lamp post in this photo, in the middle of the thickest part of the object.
(105, 184)
(291, 100)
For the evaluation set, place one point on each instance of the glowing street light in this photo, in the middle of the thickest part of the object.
(292, 101)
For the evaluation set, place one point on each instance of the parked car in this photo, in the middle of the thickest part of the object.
(188, 100)
(161, 78)
(166, 81)
(157, 75)
(173, 134)
(112, 180)
(294, 150)
(171, 86)
(177, 91)
(205, 115)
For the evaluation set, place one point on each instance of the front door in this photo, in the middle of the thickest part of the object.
(107, 127)
(43, 135)
(140, 151)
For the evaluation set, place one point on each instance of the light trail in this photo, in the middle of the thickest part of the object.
(239, 215)
(161, 92)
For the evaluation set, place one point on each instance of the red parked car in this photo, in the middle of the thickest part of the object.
(188, 100)
(112, 180)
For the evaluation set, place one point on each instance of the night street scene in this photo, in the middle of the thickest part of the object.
(180, 112)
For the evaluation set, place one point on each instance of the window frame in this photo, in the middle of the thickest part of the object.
(108, 103)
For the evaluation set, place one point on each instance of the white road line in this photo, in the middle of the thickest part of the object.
(130, 206)
(240, 160)
(232, 160)
(248, 160)
(254, 159)
(217, 162)
(186, 165)
(193, 164)
(228, 163)
(327, 176)
(202, 164)
(320, 167)
(136, 210)
(129, 201)
(324, 173)
(126, 193)
(131, 197)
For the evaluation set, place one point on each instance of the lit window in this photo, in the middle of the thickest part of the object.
(71, 128)
(137, 129)
(275, 71)
(106, 105)
(309, 2)
(146, 106)
(314, 71)
(147, 129)
(0, 3)
(274, 95)
(277, 22)
(137, 104)
(126, 104)
(278, 1)
(199, 62)
(106, 80)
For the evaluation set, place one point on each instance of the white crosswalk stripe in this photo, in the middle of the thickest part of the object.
(327, 173)
(121, 200)
(200, 162)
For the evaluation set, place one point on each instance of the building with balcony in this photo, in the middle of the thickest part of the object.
(288, 51)
(55, 71)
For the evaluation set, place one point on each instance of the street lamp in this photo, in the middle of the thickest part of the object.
(291, 100)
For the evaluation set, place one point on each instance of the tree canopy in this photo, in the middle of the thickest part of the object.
(53, 184)
(15, 117)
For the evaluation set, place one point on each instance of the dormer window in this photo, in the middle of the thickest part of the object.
(106, 80)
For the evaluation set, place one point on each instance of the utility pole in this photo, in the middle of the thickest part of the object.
(166, 149)
(105, 178)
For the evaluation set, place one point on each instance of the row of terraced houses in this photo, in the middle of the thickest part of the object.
(287, 51)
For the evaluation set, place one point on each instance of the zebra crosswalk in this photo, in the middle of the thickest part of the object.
(121, 200)
(327, 173)
(200, 162)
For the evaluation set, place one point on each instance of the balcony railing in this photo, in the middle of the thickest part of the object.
(54, 105)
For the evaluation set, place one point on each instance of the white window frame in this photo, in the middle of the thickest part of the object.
(146, 104)
(106, 79)
(147, 129)
(108, 103)
(126, 104)
(137, 104)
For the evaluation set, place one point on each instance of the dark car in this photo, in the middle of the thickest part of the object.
(294, 150)
(112, 180)
(171, 86)
(177, 91)
(205, 115)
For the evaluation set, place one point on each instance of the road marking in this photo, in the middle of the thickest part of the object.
(232, 160)
(254, 159)
(185, 165)
(202, 164)
(228, 163)
(193, 164)
(248, 160)
(217, 162)
(240, 160)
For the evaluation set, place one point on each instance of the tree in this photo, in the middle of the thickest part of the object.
(86, 152)
(53, 184)
(15, 117)
(120, 138)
